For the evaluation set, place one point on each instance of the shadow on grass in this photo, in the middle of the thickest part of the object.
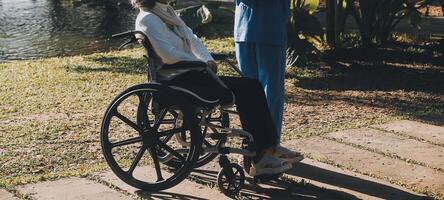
(115, 64)
(285, 189)
(426, 53)
(409, 83)
(353, 75)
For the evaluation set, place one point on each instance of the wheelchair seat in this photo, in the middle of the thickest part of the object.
(200, 94)
(184, 65)
(194, 98)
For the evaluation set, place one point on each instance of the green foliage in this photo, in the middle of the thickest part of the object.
(304, 31)
(376, 19)
(310, 5)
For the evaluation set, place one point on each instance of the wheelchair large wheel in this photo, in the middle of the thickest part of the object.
(133, 131)
(221, 119)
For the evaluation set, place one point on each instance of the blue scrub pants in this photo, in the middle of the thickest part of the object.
(266, 63)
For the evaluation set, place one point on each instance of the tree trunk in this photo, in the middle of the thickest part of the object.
(330, 17)
(368, 13)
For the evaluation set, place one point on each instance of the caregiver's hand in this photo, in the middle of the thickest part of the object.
(212, 65)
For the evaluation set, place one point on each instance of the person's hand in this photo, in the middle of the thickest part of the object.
(212, 65)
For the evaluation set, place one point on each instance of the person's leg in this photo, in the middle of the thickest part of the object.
(253, 111)
(246, 58)
(256, 119)
(271, 61)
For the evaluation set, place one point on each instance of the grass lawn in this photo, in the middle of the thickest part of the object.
(51, 109)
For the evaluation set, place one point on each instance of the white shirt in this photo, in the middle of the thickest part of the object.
(166, 43)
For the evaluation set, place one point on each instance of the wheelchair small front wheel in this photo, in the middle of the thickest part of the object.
(133, 133)
(230, 180)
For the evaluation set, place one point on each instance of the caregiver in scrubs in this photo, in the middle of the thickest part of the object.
(260, 34)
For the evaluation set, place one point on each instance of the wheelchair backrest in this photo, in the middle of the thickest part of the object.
(154, 62)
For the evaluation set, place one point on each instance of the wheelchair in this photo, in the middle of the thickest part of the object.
(171, 128)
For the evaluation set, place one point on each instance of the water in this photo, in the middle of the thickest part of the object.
(46, 28)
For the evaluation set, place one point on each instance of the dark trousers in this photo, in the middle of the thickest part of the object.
(250, 101)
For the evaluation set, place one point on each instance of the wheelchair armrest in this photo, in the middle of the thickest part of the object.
(219, 56)
(185, 64)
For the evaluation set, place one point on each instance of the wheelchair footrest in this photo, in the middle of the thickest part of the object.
(229, 150)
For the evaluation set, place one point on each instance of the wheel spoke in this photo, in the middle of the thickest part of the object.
(142, 110)
(167, 121)
(144, 98)
(136, 160)
(207, 143)
(167, 138)
(156, 164)
(159, 119)
(204, 132)
(171, 132)
(172, 151)
(214, 130)
(129, 122)
(174, 113)
(127, 142)
(230, 184)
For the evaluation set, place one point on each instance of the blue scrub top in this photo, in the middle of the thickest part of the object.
(261, 21)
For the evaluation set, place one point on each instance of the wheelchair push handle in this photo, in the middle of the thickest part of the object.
(132, 37)
(122, 35)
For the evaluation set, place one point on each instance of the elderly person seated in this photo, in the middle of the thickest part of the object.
(174, 41)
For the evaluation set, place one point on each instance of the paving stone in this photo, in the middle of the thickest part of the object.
(416, 129)
(71, 189)
(184, 190)
(431, 155)
(371, 163)
(322, 181)
(5, 195)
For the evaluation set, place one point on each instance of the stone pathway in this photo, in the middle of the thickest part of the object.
(365, 163)
(71, 189)
(5, 195)
(185, 190)
(312, 179)
(420, 131)
(403, 152)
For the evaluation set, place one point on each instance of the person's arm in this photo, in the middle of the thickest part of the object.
(198, 48)
(152, 27)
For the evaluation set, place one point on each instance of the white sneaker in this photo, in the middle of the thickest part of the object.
(286, 154)
(269, 165)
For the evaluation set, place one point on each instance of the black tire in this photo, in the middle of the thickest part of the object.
(231, 186)
(204, 158)
(148, 136)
